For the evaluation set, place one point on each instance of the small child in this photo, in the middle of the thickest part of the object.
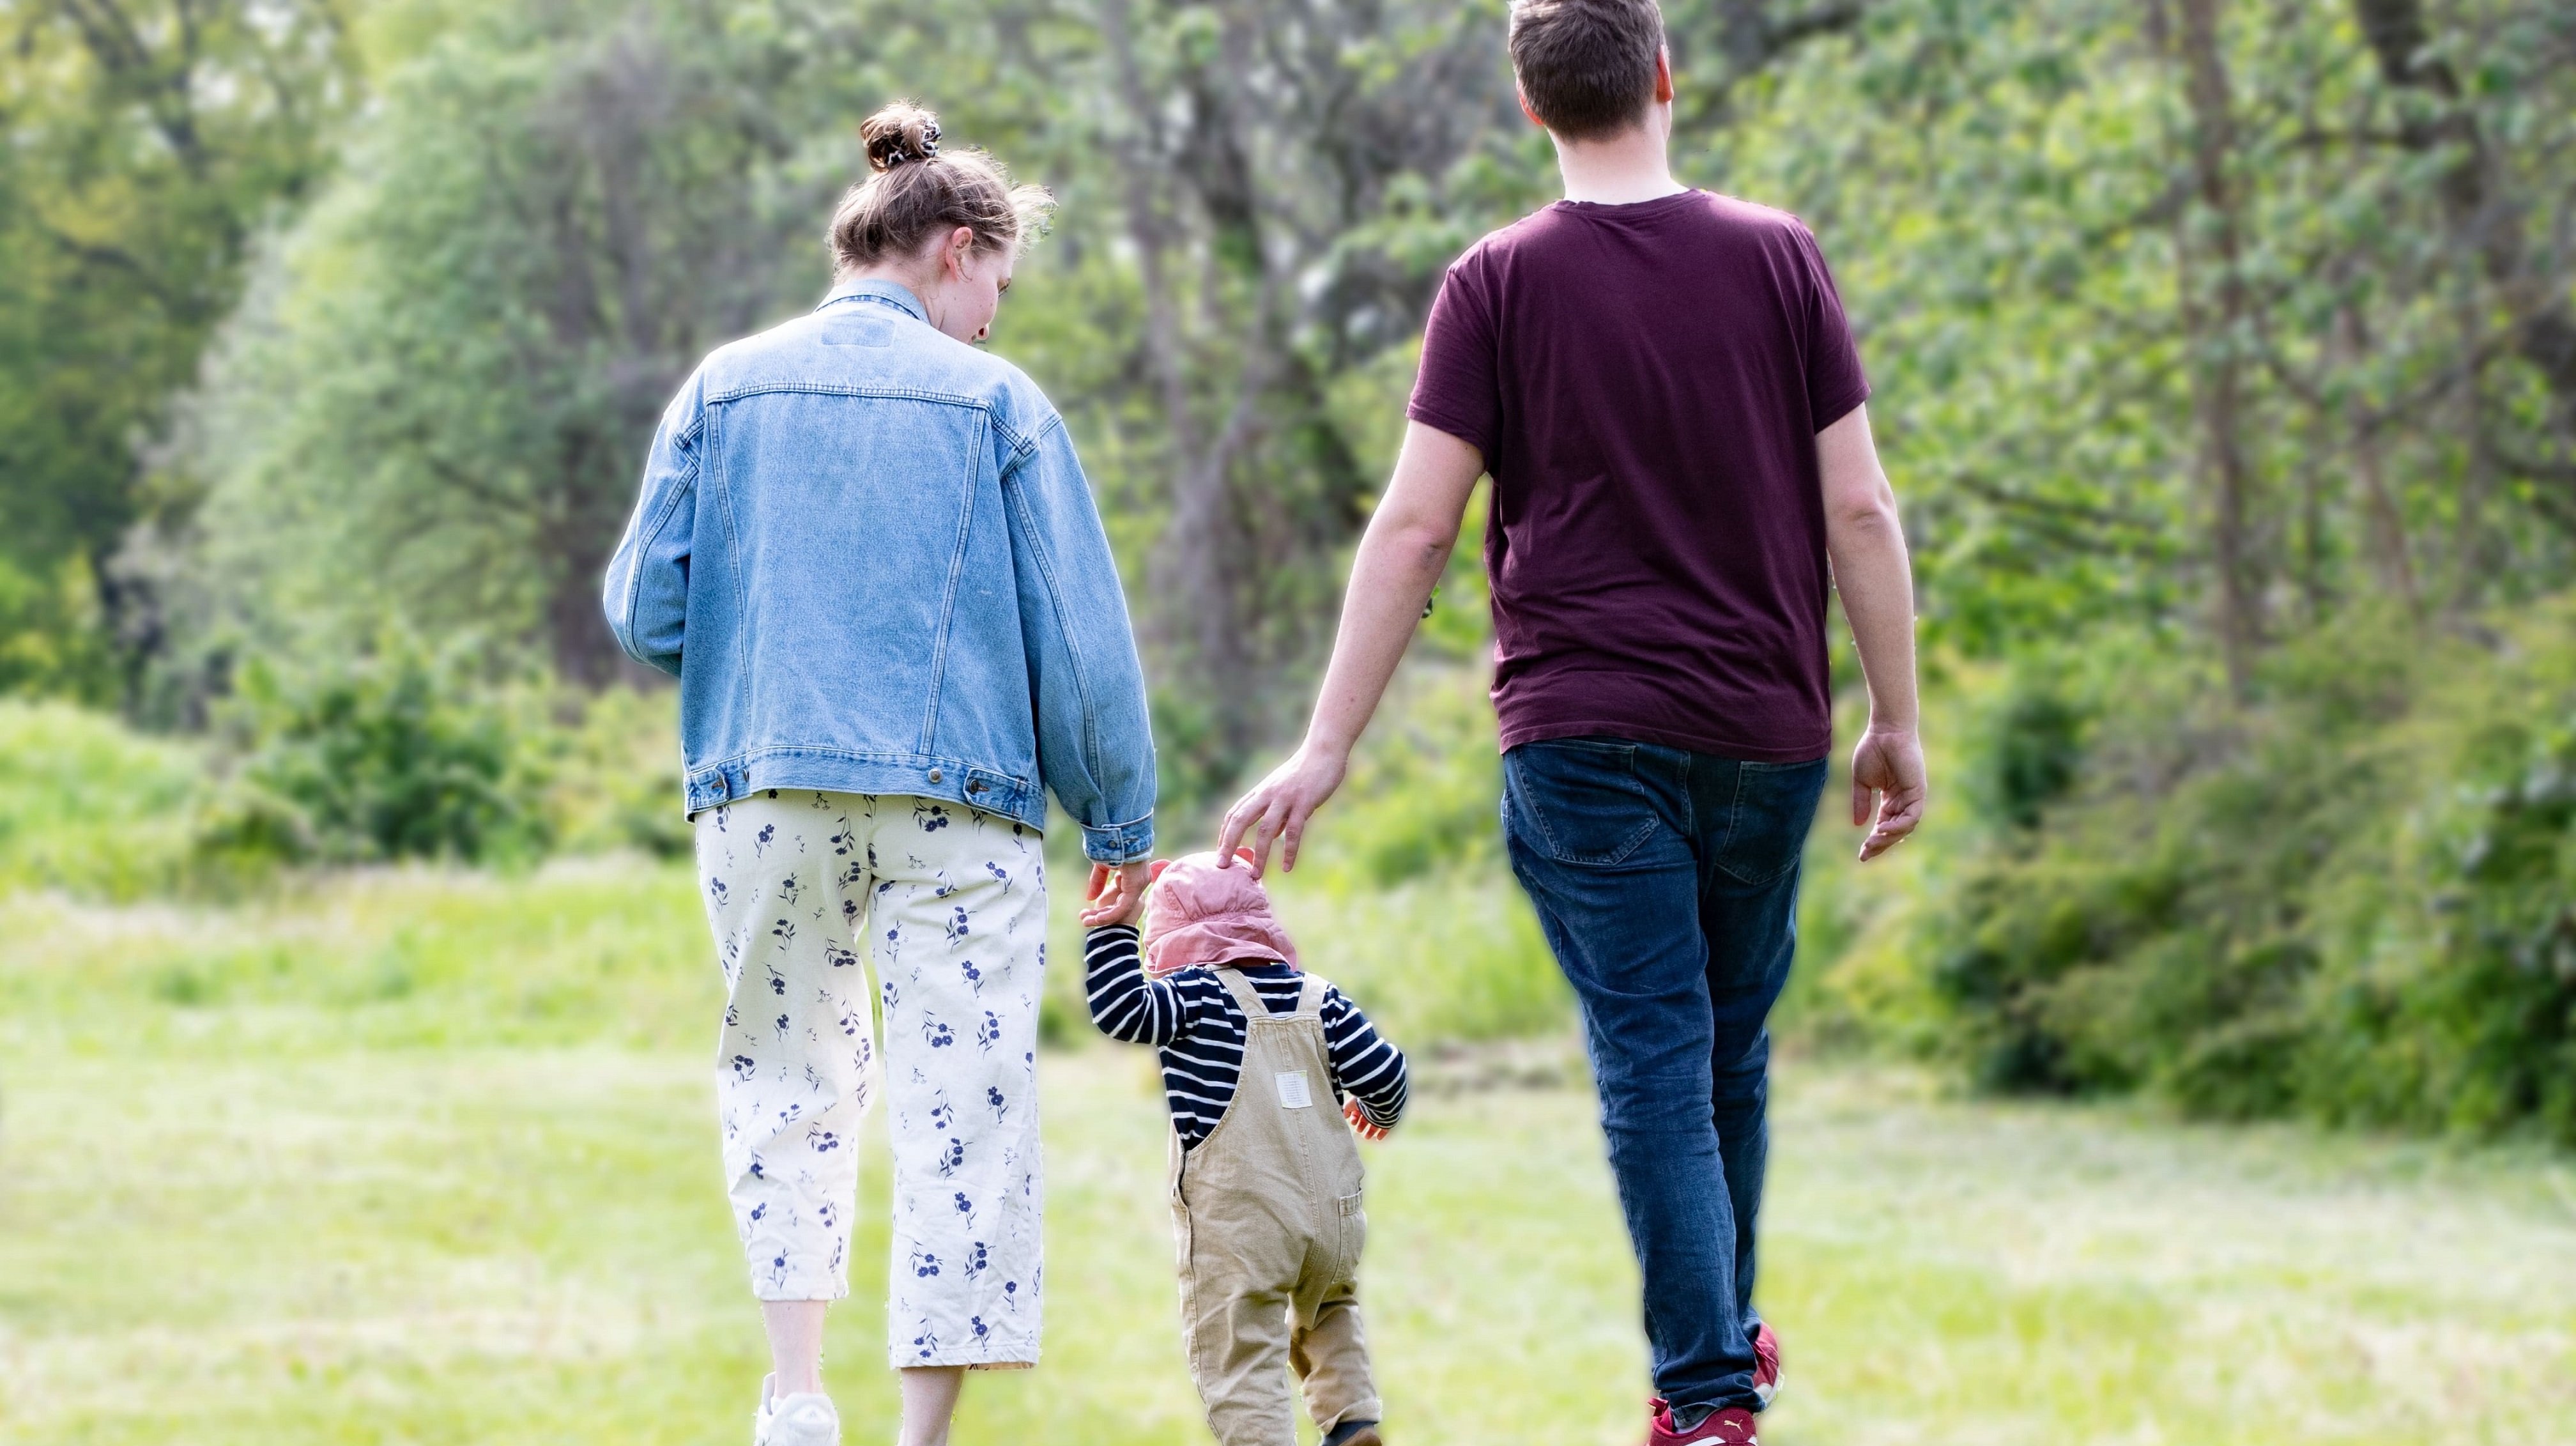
(1265, 1185)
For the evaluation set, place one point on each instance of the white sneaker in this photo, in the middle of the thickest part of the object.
(804, 1419)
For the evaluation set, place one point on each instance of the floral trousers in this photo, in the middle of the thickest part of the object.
(802, 888)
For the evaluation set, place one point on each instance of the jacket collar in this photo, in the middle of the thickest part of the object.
(889, 293)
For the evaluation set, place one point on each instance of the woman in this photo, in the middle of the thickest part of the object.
(867, 550)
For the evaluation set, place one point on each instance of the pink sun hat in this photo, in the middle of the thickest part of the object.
(1199, 914)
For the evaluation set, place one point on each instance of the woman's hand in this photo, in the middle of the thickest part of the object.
(1116, 895)
(1367, 1128)
(1277, 808)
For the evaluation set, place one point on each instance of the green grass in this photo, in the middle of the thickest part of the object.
(427, 1157)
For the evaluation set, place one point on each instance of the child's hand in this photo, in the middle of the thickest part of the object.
(1116, 895)
(1366, 1128)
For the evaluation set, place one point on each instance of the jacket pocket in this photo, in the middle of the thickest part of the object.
(1578, 800)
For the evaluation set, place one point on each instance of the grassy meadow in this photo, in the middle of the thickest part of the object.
(413, 1156)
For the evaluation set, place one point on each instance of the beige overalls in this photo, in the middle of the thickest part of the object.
(1267, 1211)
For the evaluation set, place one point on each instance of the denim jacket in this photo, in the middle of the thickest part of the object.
(868, 553)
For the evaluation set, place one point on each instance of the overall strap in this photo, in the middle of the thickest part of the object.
(1245, 997)
(1310, 998)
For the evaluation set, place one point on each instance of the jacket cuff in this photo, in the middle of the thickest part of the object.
(1119, 843)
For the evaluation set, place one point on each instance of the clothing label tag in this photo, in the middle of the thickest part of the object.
(1293, 1094)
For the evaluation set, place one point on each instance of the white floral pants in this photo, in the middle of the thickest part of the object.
(952, 905)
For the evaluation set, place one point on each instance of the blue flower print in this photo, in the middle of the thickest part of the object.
(844, 839)
(888, 990)
(981, 1330)
(974, 977)
(829, 1214)
(965, 1207)
(733, 1016)
(784, 931)
(789, 888)
(850, 1022)
(717, 891)
(782, 1026)
(1001, 873)
(943, 1116)
(823, 1141)
(759, 1211)
(924, 1264)
(1001, 1106)
(931, 816)
(1011, 1295)
(988, 1033)
(977, 1261)
(761, 840)
(926, 1344)
(838, 957)
(777, 982)
(957, 926)
(939, 1035)
(952, 1159)
(849, 912)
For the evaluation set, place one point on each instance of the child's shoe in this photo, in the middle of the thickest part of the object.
(804, 1419)
(1355, 1433)
(1766, 1364)
(1730, 1427)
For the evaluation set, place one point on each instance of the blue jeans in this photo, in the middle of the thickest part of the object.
(1667, 884)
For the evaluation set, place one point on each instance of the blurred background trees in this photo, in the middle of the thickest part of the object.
(2224, 352)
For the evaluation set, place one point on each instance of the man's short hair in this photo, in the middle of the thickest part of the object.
(1587, 67)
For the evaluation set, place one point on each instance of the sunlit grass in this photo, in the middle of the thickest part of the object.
(295, 1202)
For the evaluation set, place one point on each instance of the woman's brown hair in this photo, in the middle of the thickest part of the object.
(917, 192)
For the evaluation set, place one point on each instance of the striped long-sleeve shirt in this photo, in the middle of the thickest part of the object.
(1192, 1018)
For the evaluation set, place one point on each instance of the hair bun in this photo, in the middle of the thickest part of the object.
(898, 133)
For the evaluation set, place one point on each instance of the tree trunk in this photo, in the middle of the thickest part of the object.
(2215, 318)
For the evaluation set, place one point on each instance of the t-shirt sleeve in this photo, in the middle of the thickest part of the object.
(1835, 382)
(1456, 389)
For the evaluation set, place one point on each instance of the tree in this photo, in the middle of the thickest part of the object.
(146, 142)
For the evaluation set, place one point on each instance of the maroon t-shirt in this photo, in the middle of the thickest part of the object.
(1646, 383)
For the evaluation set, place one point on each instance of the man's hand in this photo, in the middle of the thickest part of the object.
(1367, 1128)
(1887, 780)
(1116, 894)
(1277, 808)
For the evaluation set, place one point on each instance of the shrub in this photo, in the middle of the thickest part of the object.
(89, 806)
(398, 754)
(2350, 898)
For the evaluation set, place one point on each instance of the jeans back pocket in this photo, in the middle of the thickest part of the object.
(1766, 828)
(1578, 799)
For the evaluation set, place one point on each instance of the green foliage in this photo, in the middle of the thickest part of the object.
(88, 806)
(398, 754)
(147, 141)
(2348, 901)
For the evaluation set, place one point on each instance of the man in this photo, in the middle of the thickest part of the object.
(1663, 387)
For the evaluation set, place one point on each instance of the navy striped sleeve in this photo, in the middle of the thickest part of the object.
(1366, 1065)
(1124, 1003)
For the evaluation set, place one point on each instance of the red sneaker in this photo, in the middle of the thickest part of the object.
(1730, 1427)
(1766, 1363)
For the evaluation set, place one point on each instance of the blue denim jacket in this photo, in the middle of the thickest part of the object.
(870, 556)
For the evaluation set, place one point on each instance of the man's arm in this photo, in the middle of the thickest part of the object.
(1867, 545)
(1400, 560)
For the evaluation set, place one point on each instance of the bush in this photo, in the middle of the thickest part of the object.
(89, 806)
(400, 754)
(2348, 899)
